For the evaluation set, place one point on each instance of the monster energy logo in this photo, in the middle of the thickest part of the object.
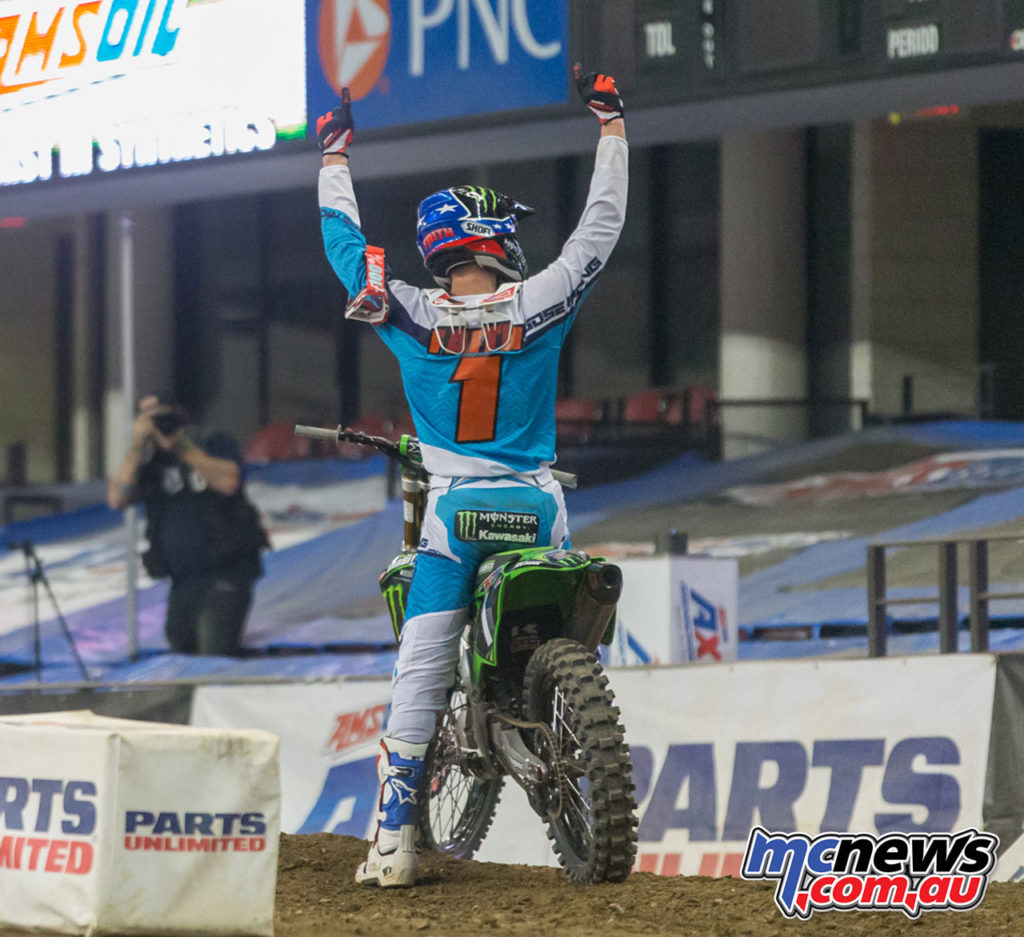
(500, 526)
(394, 598)
(485, 198)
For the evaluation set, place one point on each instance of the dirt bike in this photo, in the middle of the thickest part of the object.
(530, 699)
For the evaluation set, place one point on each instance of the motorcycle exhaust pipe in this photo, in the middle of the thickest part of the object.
(595, 603)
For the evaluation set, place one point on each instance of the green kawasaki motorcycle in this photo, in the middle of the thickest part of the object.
(530, 699)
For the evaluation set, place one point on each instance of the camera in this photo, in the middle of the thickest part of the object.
(168, 423)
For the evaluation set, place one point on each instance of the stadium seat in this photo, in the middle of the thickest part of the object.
(374, 424)
(277, 442)
(696, 399)
(574, 419)
(403, 425)
(653, 406)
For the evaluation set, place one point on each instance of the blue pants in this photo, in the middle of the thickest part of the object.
(466, 521)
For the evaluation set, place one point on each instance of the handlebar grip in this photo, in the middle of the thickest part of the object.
(316, 432)
(565, 479)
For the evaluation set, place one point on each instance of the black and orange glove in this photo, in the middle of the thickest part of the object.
(336, 129)
(599, 94)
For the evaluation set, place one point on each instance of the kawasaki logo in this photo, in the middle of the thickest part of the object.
(497, 526)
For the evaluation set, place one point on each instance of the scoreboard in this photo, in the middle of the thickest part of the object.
(683, 50)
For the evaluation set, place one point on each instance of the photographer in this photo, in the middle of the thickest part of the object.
(203, 533)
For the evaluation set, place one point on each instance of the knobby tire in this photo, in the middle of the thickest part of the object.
(588, 804)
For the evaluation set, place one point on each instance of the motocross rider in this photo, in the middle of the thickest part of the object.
(479, 360)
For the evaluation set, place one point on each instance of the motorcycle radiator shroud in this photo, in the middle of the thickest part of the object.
(524, 598)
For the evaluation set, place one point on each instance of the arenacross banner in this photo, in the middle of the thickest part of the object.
(93, 86)
(676, 609)
(872, 746)
(408, 61)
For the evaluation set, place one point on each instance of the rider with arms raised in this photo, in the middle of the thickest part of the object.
(479, 362)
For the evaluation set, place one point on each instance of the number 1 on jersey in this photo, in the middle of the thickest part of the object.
(480, 379)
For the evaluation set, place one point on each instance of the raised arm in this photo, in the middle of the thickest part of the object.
(344, 242)
(223, 475)
(589, 246)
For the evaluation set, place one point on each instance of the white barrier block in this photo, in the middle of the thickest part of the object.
(676, 609)
(129, 827)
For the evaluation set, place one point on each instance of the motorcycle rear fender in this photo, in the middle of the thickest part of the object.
(519, 590)
(526, 597)
(397, 577)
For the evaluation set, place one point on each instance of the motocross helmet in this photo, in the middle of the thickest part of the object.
(470, 224)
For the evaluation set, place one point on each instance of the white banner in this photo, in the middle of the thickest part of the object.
(810, 746)
(329, 734)
(1010, 867)
(124, 826)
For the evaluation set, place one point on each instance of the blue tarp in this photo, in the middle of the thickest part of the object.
(774, 596)
(323, 592)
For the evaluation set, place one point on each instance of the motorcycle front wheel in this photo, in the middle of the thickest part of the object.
(587, 799)
(458, 806)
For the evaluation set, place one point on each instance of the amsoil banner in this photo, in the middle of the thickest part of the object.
(811, 746)
(94, 86)
(995, 468)
(407, 61)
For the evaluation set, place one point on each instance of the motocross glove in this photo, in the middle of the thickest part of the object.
(599, 94)
(336, 129)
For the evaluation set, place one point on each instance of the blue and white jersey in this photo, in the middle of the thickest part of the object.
(484, 413)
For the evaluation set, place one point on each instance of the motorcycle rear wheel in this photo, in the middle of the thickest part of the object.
(458, 806)
(587, 801)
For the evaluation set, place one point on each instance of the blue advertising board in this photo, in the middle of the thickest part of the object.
(408, 61)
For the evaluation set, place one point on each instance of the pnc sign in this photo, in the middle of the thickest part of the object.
(417, 60)
(354, 38)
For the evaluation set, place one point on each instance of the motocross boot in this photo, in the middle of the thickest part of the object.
(392, 858)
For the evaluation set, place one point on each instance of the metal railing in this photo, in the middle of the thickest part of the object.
(980, 595)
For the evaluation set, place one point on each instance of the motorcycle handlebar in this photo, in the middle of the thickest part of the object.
(393, 450)
(389, 447)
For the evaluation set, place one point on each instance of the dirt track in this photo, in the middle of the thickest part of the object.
(317, 897)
